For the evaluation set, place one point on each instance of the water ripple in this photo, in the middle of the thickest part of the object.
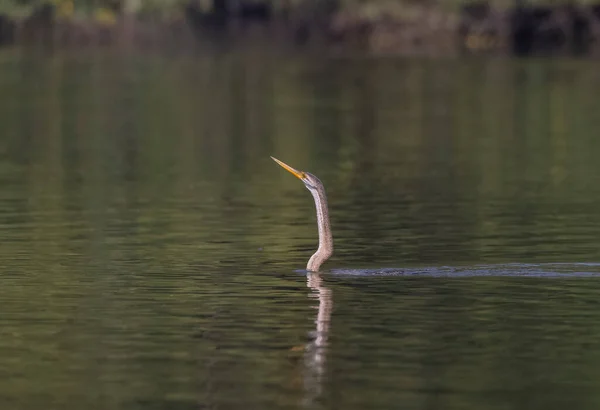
(500, 270)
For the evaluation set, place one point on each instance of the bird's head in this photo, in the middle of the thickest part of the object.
(311, 182)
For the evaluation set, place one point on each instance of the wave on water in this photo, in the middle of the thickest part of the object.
(500, 270)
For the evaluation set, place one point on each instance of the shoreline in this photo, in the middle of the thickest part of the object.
(474, 29)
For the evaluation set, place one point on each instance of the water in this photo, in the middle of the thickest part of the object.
(152, 252)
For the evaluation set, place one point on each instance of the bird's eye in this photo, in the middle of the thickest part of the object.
(303, 175)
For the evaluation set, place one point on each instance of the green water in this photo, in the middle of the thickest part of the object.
(150, 248)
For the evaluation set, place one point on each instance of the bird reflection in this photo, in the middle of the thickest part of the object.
(316, 350)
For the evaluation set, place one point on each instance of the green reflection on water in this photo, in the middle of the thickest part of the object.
(149, 242)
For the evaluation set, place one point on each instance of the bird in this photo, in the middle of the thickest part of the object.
(325, 249)
(316, 188)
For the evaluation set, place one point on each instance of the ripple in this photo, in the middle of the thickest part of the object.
(499, 270)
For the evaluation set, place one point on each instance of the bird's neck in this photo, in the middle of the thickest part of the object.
(325, 249)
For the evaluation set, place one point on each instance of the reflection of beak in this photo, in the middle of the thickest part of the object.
(297, 174)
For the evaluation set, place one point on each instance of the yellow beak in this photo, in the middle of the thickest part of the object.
(297, 174)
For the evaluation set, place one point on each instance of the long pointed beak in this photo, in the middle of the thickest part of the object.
(297, 174)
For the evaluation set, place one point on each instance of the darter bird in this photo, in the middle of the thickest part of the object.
(316, 188)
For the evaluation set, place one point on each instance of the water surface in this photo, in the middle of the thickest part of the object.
(151, 248)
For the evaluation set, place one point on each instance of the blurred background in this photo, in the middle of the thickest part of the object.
(152, 253)
(421, 27)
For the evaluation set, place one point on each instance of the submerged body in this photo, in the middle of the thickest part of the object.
(316, 188)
